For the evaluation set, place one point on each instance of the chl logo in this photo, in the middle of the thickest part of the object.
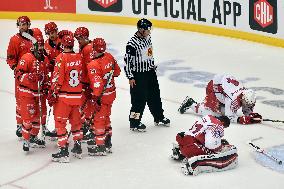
(263, 13)
(105, 3)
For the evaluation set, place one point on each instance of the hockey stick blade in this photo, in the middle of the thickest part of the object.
(279, 121)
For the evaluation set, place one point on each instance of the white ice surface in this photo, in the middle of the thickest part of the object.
(141, 160)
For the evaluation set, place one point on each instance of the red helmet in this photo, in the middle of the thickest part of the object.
(23, 19)
(67, 41)
(49, 27)
(81, 32)
(99, 45)
(37, 32)
(39, 39)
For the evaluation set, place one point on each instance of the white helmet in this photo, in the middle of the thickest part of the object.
(249, 97)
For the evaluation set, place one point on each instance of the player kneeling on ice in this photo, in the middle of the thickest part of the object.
(32, 75)
(202, 148)
(65, 96)
(225, 95)
(101, 72)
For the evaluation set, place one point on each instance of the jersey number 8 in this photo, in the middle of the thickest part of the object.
(74, 78)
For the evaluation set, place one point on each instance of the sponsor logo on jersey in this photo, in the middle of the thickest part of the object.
(263, 15)
(105, 5)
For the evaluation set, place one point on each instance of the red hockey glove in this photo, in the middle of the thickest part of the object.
(51, 98)
(88, 92)
(34, 77)
(256, 118)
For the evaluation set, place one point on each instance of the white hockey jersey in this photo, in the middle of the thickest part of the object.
(208, 131)
(228, 91)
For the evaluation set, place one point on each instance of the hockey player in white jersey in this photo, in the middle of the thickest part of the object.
(202, 148)
(225, 95)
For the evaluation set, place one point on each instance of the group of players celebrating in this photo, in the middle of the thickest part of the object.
(79, 86)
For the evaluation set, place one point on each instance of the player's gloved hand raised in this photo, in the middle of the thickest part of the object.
(51, 98)
(34, 77)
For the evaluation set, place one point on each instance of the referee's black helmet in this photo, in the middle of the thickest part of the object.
(144, 24)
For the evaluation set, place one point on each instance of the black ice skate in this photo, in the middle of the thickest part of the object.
(108, 144)
(98, 150)
(19, 130)
(140, 128)
(26, 146)
(164, 122)
(89, 135)
(50, 133)
(62, 156)
(35, 142)
(77, 150)
(185, 105)
(176, 153)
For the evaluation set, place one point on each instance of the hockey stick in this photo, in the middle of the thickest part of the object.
(279, 121)
(262, 151)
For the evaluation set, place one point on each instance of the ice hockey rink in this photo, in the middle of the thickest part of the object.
(186, 62)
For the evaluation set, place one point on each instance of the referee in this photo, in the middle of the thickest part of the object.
(140, 71)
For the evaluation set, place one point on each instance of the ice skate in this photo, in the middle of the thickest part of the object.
(176, 153)
(185, 105)
(164, 122)
(62, 156)
(26, 146)
(19, 130)
(35, 142)
(140, 128)
(89, 135)
(98, 150)
(77, 150)
(108, 144)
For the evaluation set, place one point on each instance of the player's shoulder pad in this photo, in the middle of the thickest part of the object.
(130, 50)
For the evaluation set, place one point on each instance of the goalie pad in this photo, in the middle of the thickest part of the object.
(226, 159)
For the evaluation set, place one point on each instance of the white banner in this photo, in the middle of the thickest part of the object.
(264, 17)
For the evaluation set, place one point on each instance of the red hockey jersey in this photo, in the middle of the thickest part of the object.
(29, 64)
(87, 56)
(52, 50)
(66, 81)
(101, 72)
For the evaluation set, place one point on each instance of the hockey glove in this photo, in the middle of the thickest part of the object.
(256, 118)
(250, 119)
(181, 134)
(34, 77)
(224, 142)
(96, 103)
(51, 98)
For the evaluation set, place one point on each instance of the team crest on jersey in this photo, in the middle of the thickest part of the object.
(93, 71)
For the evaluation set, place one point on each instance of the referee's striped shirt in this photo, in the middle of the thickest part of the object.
(139, 56)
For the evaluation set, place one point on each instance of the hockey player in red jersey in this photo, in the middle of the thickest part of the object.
(202, 148)
(65, 96)
(31, 73)
(52, 44)
(18, 46)
(101, 72)
(86, 50)
(225, 95)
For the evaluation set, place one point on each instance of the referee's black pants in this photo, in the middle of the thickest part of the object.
(145, 91)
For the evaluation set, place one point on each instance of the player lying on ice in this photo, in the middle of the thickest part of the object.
(202, 148)
(225, 95)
